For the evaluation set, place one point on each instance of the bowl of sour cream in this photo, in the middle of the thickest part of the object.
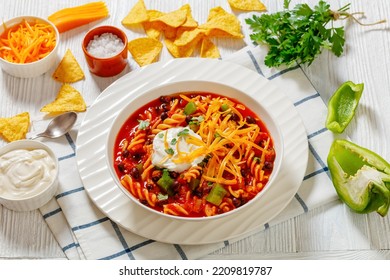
(28, 175)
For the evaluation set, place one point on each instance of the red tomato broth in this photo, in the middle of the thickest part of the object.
(130, 162)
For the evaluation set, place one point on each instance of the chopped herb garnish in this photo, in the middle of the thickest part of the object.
(160, 135)
(169, 151)
(184, 132)
(143, 124)
(173, 141)
(197, 120)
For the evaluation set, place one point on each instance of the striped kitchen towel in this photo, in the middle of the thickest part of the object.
(83, 232)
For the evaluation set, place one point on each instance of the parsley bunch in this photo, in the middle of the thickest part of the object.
(300, 34)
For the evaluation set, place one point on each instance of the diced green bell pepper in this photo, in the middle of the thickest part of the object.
(190, 108)
(166, 182)
(216, 194)
(342, 106)
(361, 177)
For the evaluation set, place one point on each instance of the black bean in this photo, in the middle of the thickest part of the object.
(250, 120)
(121, 167)
(125, 153)
(164, 107)
(143, 201)
(236, 202)
(244, 172)
(174, 174)
(136, 156)
(165, 99)
(134, 172)
(268, 165)
(176, 186)
(235, 117)
(164, 115)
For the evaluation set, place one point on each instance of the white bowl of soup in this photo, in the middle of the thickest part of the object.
(194, 150)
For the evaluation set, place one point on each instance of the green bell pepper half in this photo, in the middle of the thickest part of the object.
(342, 106)
(361, 177)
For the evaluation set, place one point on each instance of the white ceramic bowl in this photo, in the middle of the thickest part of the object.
(38, 198)
(33, 69)
(200, 86)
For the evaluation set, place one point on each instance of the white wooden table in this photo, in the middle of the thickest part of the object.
(329, 232)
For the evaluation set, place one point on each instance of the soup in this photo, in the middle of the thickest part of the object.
(194, 154)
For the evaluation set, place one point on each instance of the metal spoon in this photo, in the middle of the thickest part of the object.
(59, 126)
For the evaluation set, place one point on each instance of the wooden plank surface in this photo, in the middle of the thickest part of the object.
(329, 232)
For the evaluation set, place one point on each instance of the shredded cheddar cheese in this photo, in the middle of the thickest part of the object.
(27, 42)
(227, 141)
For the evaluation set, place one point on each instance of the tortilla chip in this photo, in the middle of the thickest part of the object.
(153, 29)
(173, 19)
(137, 14)
(191, 36)
(69, 70)
(16, 127)
(68, 99)
(145, 50)
(209, 49)
(179, 51)
(219, 19)
(247, 5)
(190, 21)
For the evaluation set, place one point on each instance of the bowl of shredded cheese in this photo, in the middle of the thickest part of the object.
(28, 46)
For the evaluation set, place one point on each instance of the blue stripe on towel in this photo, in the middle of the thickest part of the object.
(255, 64)
(71, 245)
(69, 192)
(301, 202)
(52, 213)
(70, 141)
(303, 100)
(126, 251)
(308, 176)
(122, 240)
(318, 158)
(102, 220)
(121, 253)
(322, 130)
(67, 156)
(142, 244)
(72, 145)
(283, 71)
(180, 251)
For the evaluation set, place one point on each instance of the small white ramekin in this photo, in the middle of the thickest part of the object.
(33, 69)
(37, 200)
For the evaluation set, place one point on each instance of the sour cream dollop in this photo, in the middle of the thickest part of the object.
(24, 173)
(167, 145)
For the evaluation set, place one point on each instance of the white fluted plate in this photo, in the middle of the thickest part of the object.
(111, 200)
